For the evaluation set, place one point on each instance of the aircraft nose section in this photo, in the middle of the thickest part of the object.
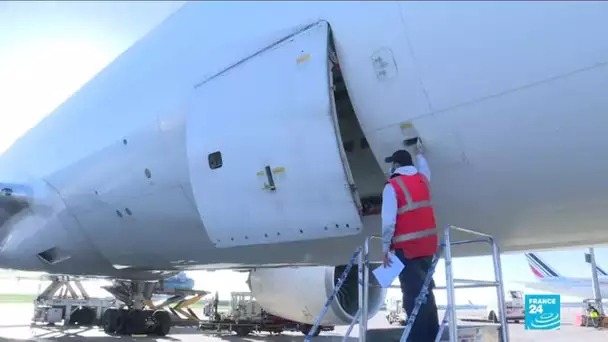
(3, 261)
(12, 258)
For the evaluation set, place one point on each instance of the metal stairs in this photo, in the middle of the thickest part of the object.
(461, 333)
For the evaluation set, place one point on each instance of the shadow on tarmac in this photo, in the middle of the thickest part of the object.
(61, 334)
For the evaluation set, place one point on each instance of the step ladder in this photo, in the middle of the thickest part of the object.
(361, 317)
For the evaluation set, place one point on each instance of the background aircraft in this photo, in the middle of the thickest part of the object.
(548, 279)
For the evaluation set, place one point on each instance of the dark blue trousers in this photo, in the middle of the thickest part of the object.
(426, 325)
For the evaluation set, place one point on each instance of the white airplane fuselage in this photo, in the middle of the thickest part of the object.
(509, 99)
(567, 286)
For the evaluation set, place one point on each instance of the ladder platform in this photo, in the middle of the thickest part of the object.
(466, 333)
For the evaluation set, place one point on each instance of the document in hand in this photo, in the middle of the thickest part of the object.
(386, 275)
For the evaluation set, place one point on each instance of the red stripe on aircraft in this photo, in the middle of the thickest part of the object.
(536, 272)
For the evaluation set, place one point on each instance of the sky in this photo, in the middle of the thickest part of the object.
(48, 50)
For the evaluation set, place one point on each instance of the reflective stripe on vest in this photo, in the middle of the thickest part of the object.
(410, 205)
(414, 235)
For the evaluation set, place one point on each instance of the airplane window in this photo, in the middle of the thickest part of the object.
(215, 160)
(349, 146)
(364, 143)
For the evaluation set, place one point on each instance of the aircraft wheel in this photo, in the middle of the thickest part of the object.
(492, 317)
(136, 322)
(109, 320)
(122, 325)
(305, 329)
(242, 331)
(163, 322)
(87, 316)
(76, 316)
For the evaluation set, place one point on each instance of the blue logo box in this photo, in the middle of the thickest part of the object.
(542, 312)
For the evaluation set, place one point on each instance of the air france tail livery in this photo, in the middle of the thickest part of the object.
(551, 281)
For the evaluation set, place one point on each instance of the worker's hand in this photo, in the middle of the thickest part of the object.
(418, 148)
(387, 262)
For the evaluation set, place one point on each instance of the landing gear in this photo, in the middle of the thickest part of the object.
(163, 322)
(133, 319)
(242, 331)
(136, 322)
(83, 316)
(305, 329)
(109, 320)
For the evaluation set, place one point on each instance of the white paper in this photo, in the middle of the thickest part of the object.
(386, 275)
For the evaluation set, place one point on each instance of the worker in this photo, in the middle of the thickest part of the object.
(408, 230)
(594, 315)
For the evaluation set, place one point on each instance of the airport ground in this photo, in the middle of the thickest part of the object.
(15, 326)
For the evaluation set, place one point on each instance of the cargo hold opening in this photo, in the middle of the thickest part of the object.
(367, 175)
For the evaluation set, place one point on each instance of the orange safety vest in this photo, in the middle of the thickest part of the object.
(415, 230)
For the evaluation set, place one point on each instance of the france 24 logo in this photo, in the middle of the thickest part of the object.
(542, 312)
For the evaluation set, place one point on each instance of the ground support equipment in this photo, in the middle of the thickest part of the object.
(268, 323)
(67, 301)
(178, 305)
(584, 318)
(247, 316)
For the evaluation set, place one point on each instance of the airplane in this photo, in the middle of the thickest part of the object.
(253, 137)
(548, 279)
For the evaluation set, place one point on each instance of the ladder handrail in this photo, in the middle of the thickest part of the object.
(352, 325)
(449, 282)
(498, 281)
(469, 231)
(444, 321)
(333, 294)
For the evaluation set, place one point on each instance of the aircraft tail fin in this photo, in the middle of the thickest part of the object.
(540, 268)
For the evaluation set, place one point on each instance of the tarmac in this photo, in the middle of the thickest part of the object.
(15, 326)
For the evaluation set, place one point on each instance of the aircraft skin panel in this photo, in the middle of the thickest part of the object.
(528, 168)
(509, 43)
(41, 224)
(146, 235)
(284, 111)
(512, 130)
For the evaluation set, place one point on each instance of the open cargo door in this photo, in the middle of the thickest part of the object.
(266, 158)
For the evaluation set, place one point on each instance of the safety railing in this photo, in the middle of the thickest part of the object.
(361, 317)
(335, 292)
(450, 314)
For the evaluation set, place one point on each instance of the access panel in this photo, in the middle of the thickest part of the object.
(265, 159)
